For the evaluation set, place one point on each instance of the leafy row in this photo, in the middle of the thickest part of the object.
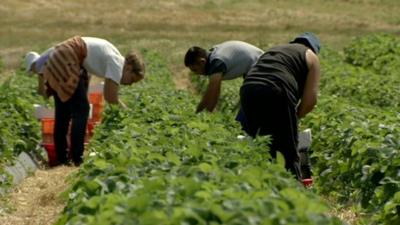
(360, 85)
(356, 154)
(378, 52)
(19, 130)
(159, 163)
(356, 138)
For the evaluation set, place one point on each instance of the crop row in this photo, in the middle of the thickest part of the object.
(160, 163)
(19, 130)
(356, 139)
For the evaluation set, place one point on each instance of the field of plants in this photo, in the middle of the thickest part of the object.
(357, 138)
(356, 147)
(19, 130)
(158, 162)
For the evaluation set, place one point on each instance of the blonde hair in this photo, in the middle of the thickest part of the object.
(133, 58)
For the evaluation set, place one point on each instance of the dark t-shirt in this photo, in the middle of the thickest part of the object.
(283, 65)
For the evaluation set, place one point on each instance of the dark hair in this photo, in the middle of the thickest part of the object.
(193, 54)
(133, 58)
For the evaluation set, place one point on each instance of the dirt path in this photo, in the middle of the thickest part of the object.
(36, 200)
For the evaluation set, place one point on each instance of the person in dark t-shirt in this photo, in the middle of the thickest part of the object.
(225, 61)
(278, 90)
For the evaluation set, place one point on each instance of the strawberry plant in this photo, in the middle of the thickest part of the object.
(379, 52)
(355, 137)
(356, 147)
(359, 85)
(19, 130)
(160, 163)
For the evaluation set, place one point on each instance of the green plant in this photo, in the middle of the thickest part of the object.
(160, 163)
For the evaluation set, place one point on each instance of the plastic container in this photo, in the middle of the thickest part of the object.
(99, 87)
(96, 98)
(90, 128)
(47, 139)
(96, 101)
(51, 154)
(43, 112)
(47, 125)
(47, 130)
(47, 119)
(97, 112)
(307, 182)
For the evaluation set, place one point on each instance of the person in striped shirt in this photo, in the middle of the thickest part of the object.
(63, 73)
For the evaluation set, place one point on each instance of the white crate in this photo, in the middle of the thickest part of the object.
(43, 112)
(96, 88)
(304, 139)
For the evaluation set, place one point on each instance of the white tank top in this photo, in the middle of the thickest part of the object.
(103, 59)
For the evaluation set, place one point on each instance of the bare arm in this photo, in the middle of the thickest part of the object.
(111, 89)
(41, 87)
(310, 93)
(210, 98)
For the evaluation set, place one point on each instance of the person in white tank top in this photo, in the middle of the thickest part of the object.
(72, 60)
(102, 60)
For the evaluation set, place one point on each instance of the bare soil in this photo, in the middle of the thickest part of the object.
(37, 201)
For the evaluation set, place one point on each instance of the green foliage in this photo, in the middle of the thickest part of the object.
(160, 163)
(19, 130)
(356, 147)
(356, 155)
(355, 134)
(379, 52)
(359, 85)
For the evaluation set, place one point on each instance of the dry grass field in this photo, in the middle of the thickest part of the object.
(170, 27)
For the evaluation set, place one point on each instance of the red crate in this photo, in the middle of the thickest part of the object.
(48, 130)
(47, 125)
(307, 182)
(47, 139)
(96, 98)
(97, 112)
(90, 128)
(51, 154)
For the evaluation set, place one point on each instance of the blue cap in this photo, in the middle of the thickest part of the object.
(310, 39)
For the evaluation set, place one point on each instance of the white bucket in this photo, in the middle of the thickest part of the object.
(43, 112)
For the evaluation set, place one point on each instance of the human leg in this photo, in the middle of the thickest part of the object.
(62, 119)
(80, 114)
(269, 112)
(285, 134)
(258, 103)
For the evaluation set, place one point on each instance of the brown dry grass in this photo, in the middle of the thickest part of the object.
(36, 200)
(171, 27)
(347, 214)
